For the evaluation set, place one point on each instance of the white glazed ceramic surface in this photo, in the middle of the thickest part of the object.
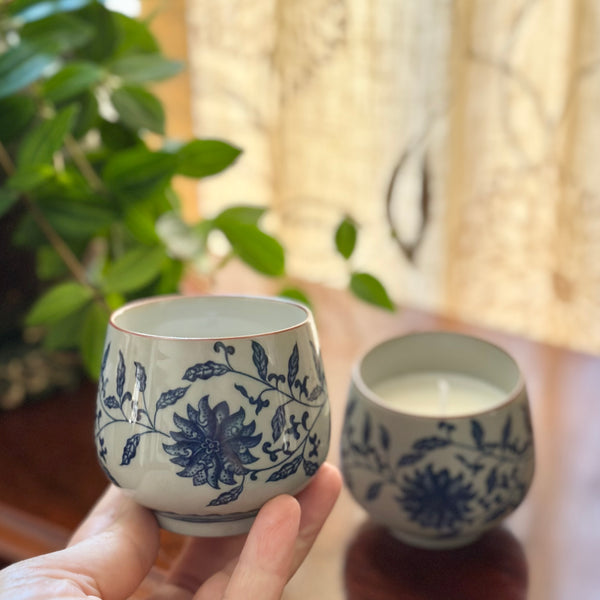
(209, 406)
(437, 482)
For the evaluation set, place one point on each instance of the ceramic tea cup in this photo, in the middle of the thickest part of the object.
(208, 406)
(437, 442)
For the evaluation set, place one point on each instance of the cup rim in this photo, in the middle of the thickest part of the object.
(186, 297)
(365, 390)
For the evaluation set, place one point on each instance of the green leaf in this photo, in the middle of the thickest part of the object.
(137, 172)
(200, 158)
(16, 112)
(49, 264)
(133, 36)
(7, 199)
(243, 214)
(295, 294)
(140, 68)
(91, 344)
(21, 66)
(368, 288)
(117, 137)
(65, 333)
(170, 277)
(88, 115)
(71, 80)
(75, 220)
(140, 219)
(134, 270)
(29, 12)
(114, 300)
(139, 109)
(99, 48)
(28, 177)
(40, 46)
(40, 144)
(58, 302)
(257, 249)
(60, 33)
(345, 237)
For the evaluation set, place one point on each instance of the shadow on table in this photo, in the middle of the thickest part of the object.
(380, 567)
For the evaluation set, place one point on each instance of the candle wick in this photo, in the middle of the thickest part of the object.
(443, 389)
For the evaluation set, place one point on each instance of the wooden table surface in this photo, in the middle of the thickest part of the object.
(549, 549)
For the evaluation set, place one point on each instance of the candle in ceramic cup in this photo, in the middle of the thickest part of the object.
(437, 443)
(438, 394)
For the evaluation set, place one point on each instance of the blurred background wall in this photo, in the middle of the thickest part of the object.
(461, 135)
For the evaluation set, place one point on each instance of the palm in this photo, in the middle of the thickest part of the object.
(112, 551)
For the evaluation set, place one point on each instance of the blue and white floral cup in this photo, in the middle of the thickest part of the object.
(437, 468)
(208, 406)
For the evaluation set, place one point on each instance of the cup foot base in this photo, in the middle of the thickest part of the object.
(433, 544)
(206, 526)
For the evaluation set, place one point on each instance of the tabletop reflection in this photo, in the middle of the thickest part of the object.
(380, 567)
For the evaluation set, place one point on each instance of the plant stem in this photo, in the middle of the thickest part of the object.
(80, 159)
(62, 249)
(6, 161)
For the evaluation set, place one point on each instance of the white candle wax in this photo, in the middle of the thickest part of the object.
(438, 394)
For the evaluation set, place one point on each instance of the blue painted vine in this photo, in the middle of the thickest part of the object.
(213, 445)
(435, 497)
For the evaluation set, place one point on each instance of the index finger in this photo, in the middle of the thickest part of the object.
(265, 562)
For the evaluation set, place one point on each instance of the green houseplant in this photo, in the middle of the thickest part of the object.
(88, 215)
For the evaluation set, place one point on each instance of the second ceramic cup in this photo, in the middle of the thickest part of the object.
(437, 441)
(209, 406)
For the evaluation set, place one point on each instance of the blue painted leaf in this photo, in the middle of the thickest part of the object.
(226, 497)
(384, 437)
(293, 365)
(260, 360)
(126, 398)
(366, 434)
(130, 449)
(242, 390)
(491, 480)
(273, 377)
(289, 468)
(430, 443)
(315, 393)
(447, 426)
(111, 402)
(120, 375)
(169, 398)
(278, 422)
(205, 371)
(140, 376)
(409, 459)
(350, 407)
(474, 467)
(104, 358)
(506, 431)
(221, 346)
(310, 467)
(477, 433)
(373, 491)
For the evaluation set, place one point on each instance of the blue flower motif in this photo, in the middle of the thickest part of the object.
(436, 499)
(211, 445)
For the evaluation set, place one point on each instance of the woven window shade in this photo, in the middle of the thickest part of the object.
(462, 136)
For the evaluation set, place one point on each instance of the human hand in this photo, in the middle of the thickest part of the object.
(114, 548)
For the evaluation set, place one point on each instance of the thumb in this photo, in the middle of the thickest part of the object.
(108, 558)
